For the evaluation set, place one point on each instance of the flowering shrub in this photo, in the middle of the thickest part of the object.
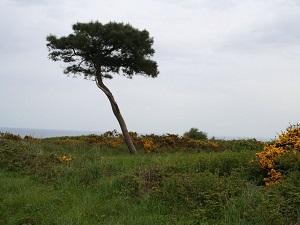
(10, 136)
(154, 143)
(269, 158)
(149, 143)
(110, 139)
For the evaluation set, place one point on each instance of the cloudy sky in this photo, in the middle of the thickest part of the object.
(227, 67)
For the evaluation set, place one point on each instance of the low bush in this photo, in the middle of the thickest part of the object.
(277, 158)
(10, 136)
(195, 133)
(19, 156)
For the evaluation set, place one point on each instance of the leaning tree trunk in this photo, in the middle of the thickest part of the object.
(116, 111)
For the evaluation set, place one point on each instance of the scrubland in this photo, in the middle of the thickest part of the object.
(173, 180)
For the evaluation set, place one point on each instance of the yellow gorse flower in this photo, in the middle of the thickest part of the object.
(64, 158)
(148, 144)
(288, 142)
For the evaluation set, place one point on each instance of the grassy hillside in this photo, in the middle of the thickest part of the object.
(93, 180)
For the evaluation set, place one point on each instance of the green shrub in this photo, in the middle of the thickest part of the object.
(20, 157)
(10, 136)
(240, 145)
(195, 133)
(201, 196)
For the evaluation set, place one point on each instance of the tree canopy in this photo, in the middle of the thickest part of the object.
(107, 49)
(195, 133)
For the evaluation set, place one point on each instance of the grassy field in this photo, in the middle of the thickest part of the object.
(61, 181)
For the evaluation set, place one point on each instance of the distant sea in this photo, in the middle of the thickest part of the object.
(46, 133)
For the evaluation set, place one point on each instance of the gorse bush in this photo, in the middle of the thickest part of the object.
(275, 155)
(149, 143)
(10, 136)
(159, 144)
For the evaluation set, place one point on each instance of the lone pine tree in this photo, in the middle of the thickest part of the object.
(99, 51)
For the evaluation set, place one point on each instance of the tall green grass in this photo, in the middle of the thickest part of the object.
(109, 186)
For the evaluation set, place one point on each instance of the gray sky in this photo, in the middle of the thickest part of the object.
(227, 67)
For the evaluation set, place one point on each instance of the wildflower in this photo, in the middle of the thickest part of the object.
(64, 158)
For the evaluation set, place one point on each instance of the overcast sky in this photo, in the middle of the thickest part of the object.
(227, 67)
